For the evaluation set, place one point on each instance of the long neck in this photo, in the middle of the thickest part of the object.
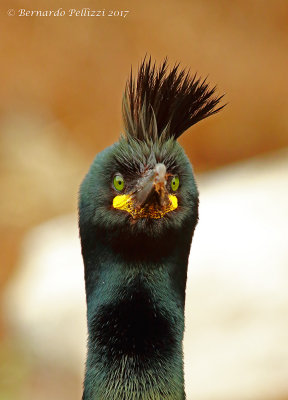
(135, 314)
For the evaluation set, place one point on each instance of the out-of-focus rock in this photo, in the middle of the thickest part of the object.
(39, 176)
(45, 304)
(237, 293)
(40, 170)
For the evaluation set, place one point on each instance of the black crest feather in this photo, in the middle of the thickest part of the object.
(163, 104)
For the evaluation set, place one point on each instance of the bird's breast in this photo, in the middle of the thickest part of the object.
(134, 325)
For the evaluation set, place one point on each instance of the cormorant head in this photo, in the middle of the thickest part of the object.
(144, 183)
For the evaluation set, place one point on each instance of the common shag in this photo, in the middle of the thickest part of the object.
(138, 209)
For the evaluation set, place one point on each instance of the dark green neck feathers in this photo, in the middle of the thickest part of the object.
(138, 209)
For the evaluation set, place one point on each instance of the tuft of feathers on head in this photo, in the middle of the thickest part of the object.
(161, 104)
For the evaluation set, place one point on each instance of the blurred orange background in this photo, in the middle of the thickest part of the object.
(62, 80)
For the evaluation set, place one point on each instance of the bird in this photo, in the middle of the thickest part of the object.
(138, 209)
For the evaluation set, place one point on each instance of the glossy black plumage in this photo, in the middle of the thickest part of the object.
(136, 267)
(166, 103)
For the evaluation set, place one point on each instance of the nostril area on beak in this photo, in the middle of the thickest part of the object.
(160, 173)
(152, 187)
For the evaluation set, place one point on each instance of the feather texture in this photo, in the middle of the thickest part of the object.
(162, 104)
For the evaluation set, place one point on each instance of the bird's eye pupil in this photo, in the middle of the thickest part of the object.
(118, 182)
(175, 183)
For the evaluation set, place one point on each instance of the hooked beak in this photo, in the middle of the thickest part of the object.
(152, 187)
(150, 197)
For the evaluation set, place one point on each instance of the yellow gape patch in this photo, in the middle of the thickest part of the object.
(125, 202)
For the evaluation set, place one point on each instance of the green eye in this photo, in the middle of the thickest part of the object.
(118, 182)
(175, 183)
